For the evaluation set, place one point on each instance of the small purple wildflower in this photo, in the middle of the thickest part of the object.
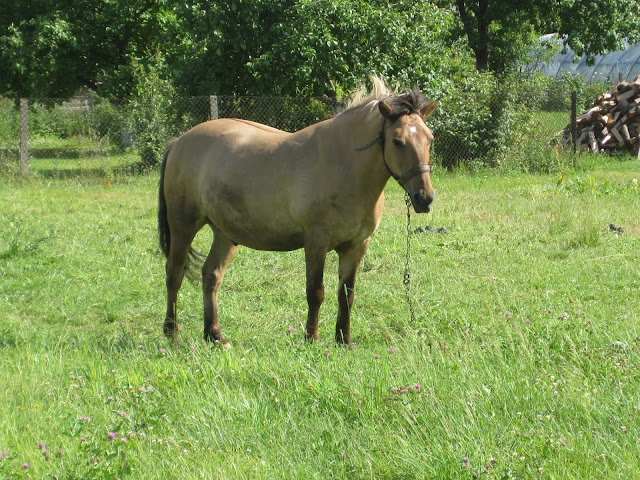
(392, 351)
(527, 321)
(140, 347)
(25, 465)
(4, 453)
(110, 398)
(60, 453)
(143, 390)
(550, 310)
(111, 436)
(507, 314)
(85, 419)
(161, 351)
(290, 329)
(377, 357)
(326, 354)
(41, 445)
(417, 386)
(123, 440)
(45, 452)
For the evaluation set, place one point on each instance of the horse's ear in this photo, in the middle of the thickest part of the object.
(385, 109)
(428, 108)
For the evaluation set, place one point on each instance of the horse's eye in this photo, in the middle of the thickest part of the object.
(398, 143)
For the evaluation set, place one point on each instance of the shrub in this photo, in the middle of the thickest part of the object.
(50, 119)
(475, 122)
(149, 111)
(106, 122)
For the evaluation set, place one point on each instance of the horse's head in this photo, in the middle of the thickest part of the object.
(406, 142)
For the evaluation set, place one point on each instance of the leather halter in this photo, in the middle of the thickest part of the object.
(412, 172)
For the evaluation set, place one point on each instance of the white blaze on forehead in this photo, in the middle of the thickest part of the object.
(413, 129)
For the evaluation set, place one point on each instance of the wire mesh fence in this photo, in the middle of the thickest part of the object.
(85, 135)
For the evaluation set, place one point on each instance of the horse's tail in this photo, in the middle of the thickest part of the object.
(195, 259)
(164, 233)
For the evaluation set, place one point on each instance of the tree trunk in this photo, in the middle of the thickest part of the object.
(475, 21)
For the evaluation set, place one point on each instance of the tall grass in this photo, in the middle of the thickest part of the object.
(522, 361)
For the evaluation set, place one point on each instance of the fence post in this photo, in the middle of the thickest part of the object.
(574, 126)
(24, 137)
(213, 105)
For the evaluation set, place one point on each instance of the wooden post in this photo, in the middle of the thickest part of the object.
(213, 105)
(24, 137)
(574, 125)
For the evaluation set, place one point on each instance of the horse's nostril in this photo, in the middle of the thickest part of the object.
(423, 197)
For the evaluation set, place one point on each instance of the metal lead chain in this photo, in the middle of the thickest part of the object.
(407, 275)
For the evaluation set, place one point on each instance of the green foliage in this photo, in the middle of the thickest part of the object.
(106, 122)
(9, 136)
(554, 94)
(480, 120)
(594, 28)
(52, 49)
(328, 47)
(501, 33)
(50, 119)
(286, 113)
(149, 111)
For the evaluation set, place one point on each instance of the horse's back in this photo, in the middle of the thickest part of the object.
(233, 173)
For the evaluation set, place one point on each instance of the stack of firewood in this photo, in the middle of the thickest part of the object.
(612, 124)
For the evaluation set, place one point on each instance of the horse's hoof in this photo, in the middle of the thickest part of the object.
(218, 341)
(170, 330)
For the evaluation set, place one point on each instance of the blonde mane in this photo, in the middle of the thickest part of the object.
(368, 100)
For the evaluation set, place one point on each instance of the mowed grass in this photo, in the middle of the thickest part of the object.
(523, 360)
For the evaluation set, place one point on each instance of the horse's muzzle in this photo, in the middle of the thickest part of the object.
(422, 200)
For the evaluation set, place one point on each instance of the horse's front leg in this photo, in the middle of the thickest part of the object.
(349, 260)
(315, 254)
(221, 253)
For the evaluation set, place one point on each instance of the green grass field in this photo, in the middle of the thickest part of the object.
(522, 363)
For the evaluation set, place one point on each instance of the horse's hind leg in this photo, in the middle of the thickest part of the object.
(349, 261)
(175, 269)
(221, 253)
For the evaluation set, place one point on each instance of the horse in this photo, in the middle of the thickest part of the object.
(320, 188)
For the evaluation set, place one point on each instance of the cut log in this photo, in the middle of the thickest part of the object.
(593, 143)
(612, 122)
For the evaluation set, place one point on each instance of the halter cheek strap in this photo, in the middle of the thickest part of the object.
(412, 172)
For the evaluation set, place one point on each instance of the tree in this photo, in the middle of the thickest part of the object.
(329, 47)
(309, 47)
(501, 32)
(53, 48)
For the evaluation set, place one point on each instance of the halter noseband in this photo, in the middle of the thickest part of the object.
(412, 172)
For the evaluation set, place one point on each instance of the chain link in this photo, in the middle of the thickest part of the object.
(407, 274)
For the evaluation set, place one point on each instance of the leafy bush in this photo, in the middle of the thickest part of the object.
(149, 111)
(49, 118)
(106, 122)
(286, 113)
(475, 122)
